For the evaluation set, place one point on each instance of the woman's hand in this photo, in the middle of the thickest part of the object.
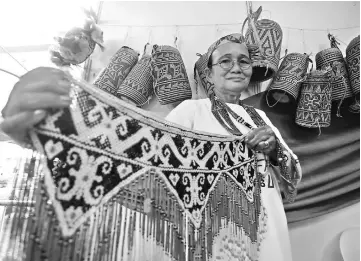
(40, 89)
(262, 139)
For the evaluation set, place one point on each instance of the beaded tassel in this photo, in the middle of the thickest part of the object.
(132, 193)
(116, 230)
(221, 111)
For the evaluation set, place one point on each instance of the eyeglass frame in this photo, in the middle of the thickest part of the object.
(233, 63)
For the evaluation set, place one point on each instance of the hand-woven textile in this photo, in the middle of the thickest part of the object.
(314, 105)
(289, 77)
(270, 34)
(112, 76)
(200, 69)
(138, 85)
(170, 77)
(131, 187)
(341, 88)
(353, 65)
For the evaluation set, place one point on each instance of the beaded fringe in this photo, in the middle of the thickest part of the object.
(143, 222)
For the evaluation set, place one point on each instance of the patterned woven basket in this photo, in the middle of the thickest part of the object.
(314, 105)
(200, 70)
(138, 85)
(341, 88)
(170, 78)
(117, 70)
(290, 75)
(353, 65)
(270, 34)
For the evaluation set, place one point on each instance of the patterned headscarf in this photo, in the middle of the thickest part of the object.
(253, 50)
(204, 60)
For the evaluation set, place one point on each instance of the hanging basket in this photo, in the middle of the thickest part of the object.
(353, 64)
(117, 70)
(290, 75)
(270, 36)
(353, 68)
(314, 105)
(138, 85)
(341, 88)
(170, 79)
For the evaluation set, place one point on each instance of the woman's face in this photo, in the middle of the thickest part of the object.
(234, 79)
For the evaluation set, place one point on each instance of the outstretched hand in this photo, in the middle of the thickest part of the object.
(34, 93)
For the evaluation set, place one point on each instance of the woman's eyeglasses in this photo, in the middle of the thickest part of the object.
(228, 64)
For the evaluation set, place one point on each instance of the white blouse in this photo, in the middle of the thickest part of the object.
(197, 115)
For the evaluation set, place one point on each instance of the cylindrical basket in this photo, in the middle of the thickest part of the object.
(170, 79)
(117, 70)
(138, 85)
(341, 88)
(270, 34)
(353, 65)
(290, 75)
(353, 68)
(314, 105)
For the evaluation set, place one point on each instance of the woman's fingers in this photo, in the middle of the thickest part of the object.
(47, 72)
(59, 86)
(261, 139)
(17, 125)
(267, 145)
(255, 137)
(45, 79)
(38, 89)
(33, 101)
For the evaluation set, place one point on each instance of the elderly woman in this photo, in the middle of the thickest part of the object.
(230, 70)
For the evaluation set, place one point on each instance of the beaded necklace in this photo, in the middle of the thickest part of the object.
(221, 109)
(222, 113)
